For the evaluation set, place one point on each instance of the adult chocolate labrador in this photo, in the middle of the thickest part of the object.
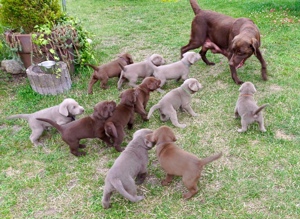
(235, 38)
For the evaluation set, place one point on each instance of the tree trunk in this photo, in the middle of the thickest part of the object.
(45, 83)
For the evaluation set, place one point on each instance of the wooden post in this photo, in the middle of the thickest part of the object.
(45, 83)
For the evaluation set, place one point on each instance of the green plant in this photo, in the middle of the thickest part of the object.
(55, 35)
(66, 40)
(23, 15)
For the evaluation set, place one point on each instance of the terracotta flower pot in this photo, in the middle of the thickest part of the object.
(28, 51)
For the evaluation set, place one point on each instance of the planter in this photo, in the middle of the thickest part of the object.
(23, 45)
(30, 54)
(45, 83)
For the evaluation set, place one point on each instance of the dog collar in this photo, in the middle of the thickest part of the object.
(186, 91)
(186, 63)
(246, 95)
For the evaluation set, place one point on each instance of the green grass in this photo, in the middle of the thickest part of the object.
(258, 176)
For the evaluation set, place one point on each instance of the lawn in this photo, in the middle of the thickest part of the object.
(258, 175)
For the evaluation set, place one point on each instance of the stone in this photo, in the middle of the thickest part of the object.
(12, 66)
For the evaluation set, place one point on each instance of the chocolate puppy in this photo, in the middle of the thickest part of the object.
(177, 162)
(108, 70)
(122, 116)
(148, 85)
(87, 127)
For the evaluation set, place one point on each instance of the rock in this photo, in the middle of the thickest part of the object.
(12, 66)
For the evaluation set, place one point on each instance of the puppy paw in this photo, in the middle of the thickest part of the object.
(82, 146)
(195, 115)
(181, 126)
(139, 198)
(263, 130)
(241, 130)
(160, 91)
(119, 149)
(106, 205)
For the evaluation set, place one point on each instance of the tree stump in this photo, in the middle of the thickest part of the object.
(45, 83)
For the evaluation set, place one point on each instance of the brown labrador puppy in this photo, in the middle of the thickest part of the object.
(177, 162)
(122, 116)
(108, 70)
(235, 38)
(148, 85)
(87, 127)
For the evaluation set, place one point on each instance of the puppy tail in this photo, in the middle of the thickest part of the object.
(110, 130)
(210, 159)
(152, 109)
(121, 79)
(93, 67)
(259, 109)
(117, 184)
(54, 124)
(19, 116)
(195, 6)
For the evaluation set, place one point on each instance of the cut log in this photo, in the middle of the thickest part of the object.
(45, 83)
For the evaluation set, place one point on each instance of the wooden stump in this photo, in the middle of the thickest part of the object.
(45, 83)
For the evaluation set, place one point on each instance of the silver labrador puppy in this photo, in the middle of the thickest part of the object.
(247, 108)
(177, 98)
(61, 114)
(140, 70)
(129, 169)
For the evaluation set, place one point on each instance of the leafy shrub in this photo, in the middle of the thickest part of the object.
(24, 15)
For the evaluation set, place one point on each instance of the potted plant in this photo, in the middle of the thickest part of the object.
(39, 31)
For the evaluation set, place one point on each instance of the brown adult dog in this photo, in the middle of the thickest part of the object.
(122, 116)
(237, 39)
(247, 108)
(148, 85)
(87, 127)
(108, 70)
(177, 162)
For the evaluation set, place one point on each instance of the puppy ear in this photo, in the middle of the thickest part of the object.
(233, 42)
(174, 138)
(254, 44)
(253, 88)
(193, 58)
(150, 138)
(135, 94)
(194, 85)
(157, 60)
(63, 108)
(148, 143)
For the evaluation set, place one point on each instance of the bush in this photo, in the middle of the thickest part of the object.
(23, 15)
